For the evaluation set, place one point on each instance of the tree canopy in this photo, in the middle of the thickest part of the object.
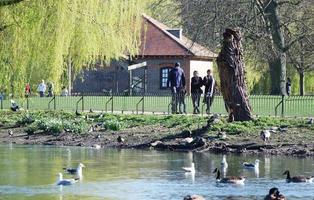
(38, 37)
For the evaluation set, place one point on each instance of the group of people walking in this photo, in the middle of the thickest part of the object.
(177, 84)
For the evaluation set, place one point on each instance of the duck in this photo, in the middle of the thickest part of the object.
(229, 179)
(251, 165)
(194, 197)
(297, 179)
(75, 171)
(274, 194)
(65, 182)
(190, 169)
(224, 163)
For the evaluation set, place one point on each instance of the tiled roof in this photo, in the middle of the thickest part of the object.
(182, 46)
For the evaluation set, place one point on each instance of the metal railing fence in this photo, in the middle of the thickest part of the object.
(263, 105)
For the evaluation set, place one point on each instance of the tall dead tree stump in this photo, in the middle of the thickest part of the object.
(232, 77)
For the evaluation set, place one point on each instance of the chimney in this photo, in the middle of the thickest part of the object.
(177, 32)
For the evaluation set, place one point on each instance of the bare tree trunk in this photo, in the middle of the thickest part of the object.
(274, 69)
(231, 73)
(271, 11)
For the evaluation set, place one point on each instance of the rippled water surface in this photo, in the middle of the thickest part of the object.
(29, 173)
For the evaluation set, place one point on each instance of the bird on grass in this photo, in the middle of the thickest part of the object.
(91, 110)
(265, 135)
(75, 171)
(274, 194)
(10, 133)
(297, 179)
(65, 182)
(251, 165)
(120, 140)
(229, 179)
(310, 121)
(190, 169)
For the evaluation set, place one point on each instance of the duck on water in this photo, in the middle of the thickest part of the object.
(229, 179)
(75, 171)
(65, 182)
(298, 179)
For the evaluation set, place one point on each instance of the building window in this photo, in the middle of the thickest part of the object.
(164, 75)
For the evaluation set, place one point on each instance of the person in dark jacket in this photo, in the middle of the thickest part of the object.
(196, 91)
(177, 85)
(209, 83)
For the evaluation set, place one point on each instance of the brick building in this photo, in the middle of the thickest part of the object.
(161, 47)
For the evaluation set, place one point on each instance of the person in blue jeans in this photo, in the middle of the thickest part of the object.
(177, 84)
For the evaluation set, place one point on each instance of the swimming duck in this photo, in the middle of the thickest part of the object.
(274, 194)
(229, 179)
(190, 169)
(62, 181)
(297, 179)
(76, 171)
(193, 197)
(251, 165)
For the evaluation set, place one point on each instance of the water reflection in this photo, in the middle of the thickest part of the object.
(29, 172)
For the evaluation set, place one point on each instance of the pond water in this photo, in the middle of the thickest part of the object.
(29, 172)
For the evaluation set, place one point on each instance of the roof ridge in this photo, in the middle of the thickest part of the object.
(157, 24)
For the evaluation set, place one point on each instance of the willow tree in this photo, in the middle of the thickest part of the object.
(38, 38)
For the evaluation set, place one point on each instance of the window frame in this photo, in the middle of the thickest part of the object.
(162, 78)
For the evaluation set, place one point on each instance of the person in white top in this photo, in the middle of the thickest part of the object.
(42, 88)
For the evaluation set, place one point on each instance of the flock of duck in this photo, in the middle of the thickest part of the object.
(246, 165)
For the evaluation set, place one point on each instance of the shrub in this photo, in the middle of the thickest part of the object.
(113, 125)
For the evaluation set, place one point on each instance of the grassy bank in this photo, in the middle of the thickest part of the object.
(87, 129)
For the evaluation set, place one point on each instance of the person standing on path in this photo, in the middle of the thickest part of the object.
(209, 83)
(42, 88)
(196, 91)
(177, 84)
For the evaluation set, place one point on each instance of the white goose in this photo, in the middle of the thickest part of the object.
(65, 182)
(190, 169)
(251, 165)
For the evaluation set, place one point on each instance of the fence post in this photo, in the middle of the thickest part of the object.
(27, 103)
(54, 103)
(112, 102)
(82, 103)
(282, 106)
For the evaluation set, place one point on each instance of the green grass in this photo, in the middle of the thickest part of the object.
(262, 105)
